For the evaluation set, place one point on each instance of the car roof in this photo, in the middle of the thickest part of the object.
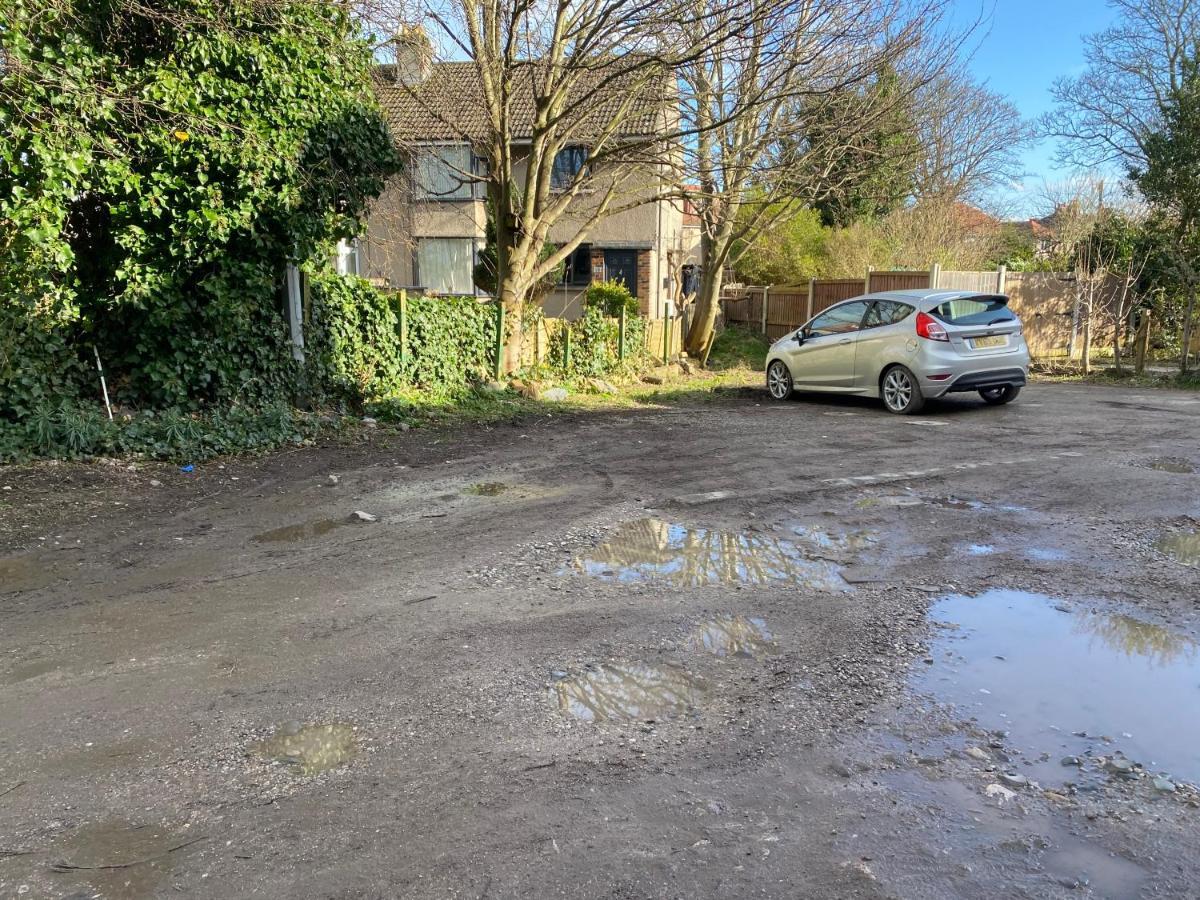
(928, 295)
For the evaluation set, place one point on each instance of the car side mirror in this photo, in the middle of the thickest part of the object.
(801, 335)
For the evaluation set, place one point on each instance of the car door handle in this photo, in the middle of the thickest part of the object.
(845, 341)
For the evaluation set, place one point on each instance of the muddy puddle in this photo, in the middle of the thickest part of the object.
(121, 861)
(1046, 554)
(487, 489)
(737, 636)
(972, 828)
(625, 692)
(311, 748)
(1181, 546)
(686, 557)
(23, 573)
(1172, 464)
(978, 549)
(835, 542)
(301, 531)
(1068, 683)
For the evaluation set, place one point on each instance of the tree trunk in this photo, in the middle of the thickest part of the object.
(708, 301)
(514, 308)
(1087, 345)
(1117, 343)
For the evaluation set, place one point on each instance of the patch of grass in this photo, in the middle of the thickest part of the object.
(1072, 375)
(738, 348)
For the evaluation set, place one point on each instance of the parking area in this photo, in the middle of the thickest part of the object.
(734, 648)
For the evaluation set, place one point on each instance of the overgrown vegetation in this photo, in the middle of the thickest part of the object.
(220, 143)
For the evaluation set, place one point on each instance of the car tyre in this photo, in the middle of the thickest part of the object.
(901, 392)
(998, 396)
(779, 380)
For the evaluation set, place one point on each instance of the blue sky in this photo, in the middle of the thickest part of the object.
(1022, 49)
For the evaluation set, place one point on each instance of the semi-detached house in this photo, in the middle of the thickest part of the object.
(427, 228)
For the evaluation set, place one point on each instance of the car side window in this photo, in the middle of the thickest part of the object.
(842, 319)
(888, 312)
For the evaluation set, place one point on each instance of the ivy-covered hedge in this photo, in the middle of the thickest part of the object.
(160, 164)
(355, 349)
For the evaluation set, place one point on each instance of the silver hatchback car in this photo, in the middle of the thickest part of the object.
(906, 347)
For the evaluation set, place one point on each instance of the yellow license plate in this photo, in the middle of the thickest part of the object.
(998, 340)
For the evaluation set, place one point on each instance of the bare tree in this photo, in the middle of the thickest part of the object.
(970, 137)
(768, 107)
(592, 74)
(1133, 69)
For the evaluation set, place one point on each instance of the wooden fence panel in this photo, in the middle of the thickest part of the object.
(828, 291)
(787, 308)
(737, 310)
(1044, 304)
(655, 331)
(984, 282)
(898, 281)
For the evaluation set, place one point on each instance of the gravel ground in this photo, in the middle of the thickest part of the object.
(673, 651)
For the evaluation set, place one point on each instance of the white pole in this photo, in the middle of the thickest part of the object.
(103, 385)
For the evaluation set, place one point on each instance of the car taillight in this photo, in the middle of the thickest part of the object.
(930, 328)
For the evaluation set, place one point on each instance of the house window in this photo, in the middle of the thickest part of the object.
(577, 269)
(349, 259)
(445, 173)
(568, 163)
(444, 265)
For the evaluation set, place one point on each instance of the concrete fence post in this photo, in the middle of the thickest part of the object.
(1001, 278)
(766, 296)
(621, 334)
(499, 339)
(867, 280)
(402, 326)
(935, 276)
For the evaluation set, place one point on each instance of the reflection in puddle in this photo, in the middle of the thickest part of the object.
(734, 636)
(487, 489)
(119, 860)
(313, 748)
(1058, 680)
(1181, 546)
(851, 542)
(298, 532)
(649, 549)
(980, 549)
(628, 691)
(957, 503)
(1171, 464)
(1045, 554)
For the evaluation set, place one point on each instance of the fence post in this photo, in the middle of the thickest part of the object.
(867, 280)
(666, 322)
(567, 349)
(403, 327)
(1001, 278)
(499, 339)
(812, 289)
(621, 334)
(935, 275)
(766, 295)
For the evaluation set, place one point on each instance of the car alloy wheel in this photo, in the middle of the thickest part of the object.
(779, 380)
(901, 394)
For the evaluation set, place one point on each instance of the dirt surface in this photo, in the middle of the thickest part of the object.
(678, 651)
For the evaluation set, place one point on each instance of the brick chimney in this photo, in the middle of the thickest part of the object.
(414, 55)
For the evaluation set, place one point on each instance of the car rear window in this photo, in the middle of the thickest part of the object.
(974, 311)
